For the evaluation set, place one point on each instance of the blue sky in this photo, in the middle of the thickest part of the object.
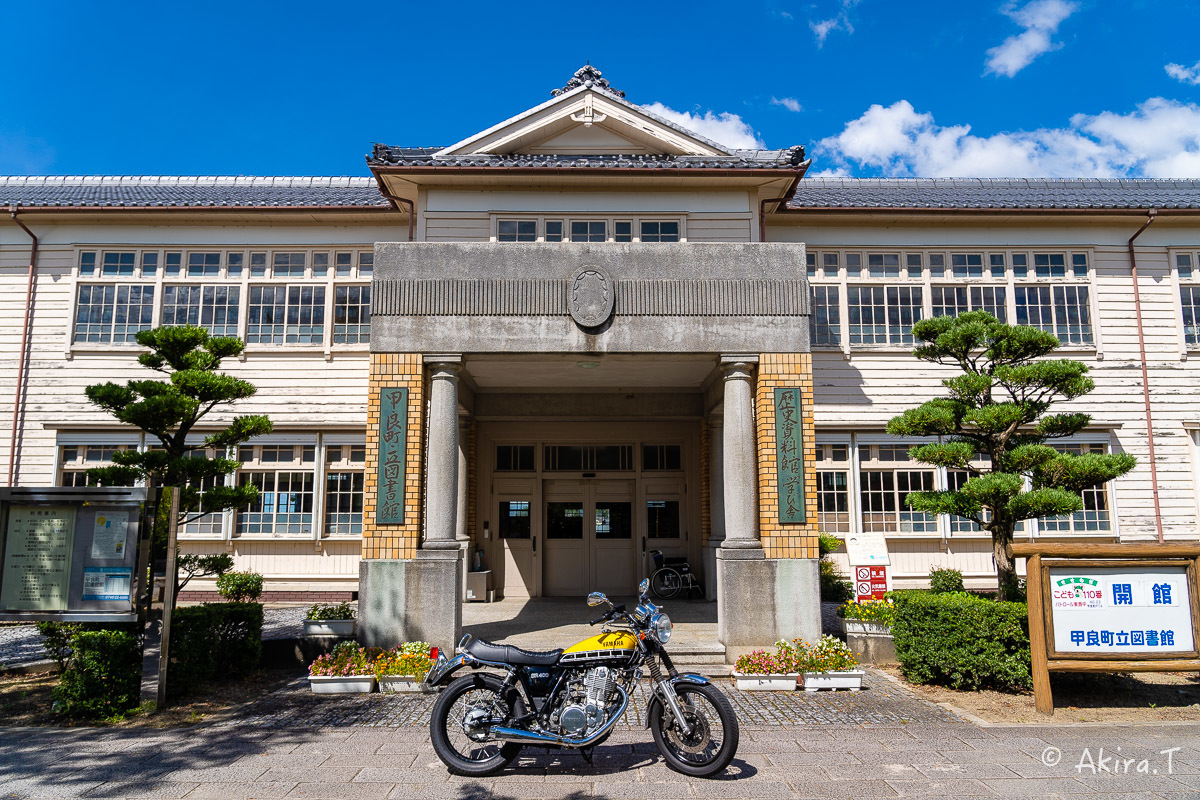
(870, 87)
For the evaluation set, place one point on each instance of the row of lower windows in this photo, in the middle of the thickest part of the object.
(865, 316)
(287, 477)
(227, 264)
(886, 475)
(108, 313)
(832, 264)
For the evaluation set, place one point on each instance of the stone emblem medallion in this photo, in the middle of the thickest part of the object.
(590, 296)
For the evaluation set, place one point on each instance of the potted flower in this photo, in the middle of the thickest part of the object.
(333, 620)
(403, 668)
(761, 671)
(346, 670)
(830, 664)
(868, 629)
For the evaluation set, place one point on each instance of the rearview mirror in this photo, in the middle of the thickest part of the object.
(644, 586)
(597, 599)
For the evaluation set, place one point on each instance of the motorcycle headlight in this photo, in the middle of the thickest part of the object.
(661, 627)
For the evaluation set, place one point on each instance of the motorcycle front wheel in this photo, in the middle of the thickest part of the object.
(461, 717)
(713, 740)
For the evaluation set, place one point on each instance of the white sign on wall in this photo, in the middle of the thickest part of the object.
(867, 549)
(1121, 610)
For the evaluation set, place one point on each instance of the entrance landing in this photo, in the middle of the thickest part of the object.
(544, 623)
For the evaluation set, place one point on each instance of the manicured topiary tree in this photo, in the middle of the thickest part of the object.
(169, 409)
(994, 424)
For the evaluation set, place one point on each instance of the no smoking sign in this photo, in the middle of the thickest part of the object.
(870, 583)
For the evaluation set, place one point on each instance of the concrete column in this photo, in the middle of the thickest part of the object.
(739, 458)
(461, 535)
(442, 457)
(716, 503)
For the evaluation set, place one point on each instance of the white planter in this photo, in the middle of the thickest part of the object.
(863, 626)
(342, 684)
(329, 627)
(394, 684)
(850, 679)
(765, 683)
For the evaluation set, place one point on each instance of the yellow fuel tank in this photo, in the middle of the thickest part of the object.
(607, 647)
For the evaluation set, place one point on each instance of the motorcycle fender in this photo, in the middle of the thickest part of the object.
(444, 668)
(687, 677)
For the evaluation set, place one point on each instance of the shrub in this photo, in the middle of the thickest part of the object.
(945, 580)
(339, 611)
(958, 640)
(56, 640)
(102, 679)
(240, 587)
(408, 660)
(834, 586)
(214, 640)
(881, 611)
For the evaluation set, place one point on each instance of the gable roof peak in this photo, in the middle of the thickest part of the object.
(588, 76)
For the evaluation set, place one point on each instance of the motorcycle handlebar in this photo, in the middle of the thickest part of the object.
(599, 619)
(612, 612)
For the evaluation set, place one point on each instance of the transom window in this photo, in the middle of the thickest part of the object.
(588, 458)
(588, 230)
(75, 460)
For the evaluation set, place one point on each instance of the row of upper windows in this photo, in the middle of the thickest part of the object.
(587, 230)
(835, 264)
(226, 264)
(113, 313)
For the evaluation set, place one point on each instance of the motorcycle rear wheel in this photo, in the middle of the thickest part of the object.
(713, 740)
(463, 753)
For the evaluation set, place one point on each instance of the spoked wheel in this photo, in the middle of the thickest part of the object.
(461, 717)
(712, 742)
(666, 583)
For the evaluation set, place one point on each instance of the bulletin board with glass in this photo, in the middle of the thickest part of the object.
(69, 553)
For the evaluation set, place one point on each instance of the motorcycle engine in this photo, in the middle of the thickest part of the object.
(583, 711)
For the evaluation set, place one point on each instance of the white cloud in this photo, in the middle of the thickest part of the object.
(1040, 19)
(1185, 74)
(1161, 138)
(790, 103)
(839, 22)
(723, 127)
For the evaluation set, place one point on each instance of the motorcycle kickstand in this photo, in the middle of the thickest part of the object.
(587, 752)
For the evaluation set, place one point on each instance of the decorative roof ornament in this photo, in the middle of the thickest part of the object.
(590, 77)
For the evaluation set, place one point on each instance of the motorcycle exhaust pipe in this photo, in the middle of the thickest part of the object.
(523, 736)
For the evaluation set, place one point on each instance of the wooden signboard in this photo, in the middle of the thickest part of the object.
(1110, 608)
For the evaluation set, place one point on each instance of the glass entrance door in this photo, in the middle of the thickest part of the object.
(588, 538)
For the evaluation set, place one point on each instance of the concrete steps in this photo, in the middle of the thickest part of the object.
(704, 659)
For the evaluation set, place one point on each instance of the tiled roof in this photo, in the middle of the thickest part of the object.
(388, 156)
(127, 191)
(1032, 193)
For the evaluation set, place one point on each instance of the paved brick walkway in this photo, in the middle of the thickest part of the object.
(958, 761)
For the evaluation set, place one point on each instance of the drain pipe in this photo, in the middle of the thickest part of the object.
(22, 355)
(412, 209)
(1152, 214)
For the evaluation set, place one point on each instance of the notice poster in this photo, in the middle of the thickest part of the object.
(867, 548)
(37, 558)
(106, 583)
(870, 583)
(1121, 610)
(110, 535)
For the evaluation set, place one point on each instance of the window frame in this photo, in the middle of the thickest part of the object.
(635, 221)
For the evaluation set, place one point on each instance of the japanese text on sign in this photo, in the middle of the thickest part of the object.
(37, 558)
(393, 415)
(789, 455)
(1114, 610)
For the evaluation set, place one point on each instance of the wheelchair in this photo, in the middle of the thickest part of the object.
(672, 576)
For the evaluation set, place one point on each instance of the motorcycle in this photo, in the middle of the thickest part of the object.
(573, 698)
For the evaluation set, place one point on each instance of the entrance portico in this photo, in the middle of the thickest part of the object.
(589, 383)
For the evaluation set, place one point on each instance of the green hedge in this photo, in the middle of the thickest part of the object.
(961, 641)
(102, 678)
(213, 640)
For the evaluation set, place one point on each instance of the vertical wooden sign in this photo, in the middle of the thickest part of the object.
(789, 454)
(393, 440)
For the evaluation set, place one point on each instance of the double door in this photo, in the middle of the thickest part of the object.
(588, 538)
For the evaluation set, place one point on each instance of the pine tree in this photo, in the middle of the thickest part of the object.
(169, 410)
(994, 425)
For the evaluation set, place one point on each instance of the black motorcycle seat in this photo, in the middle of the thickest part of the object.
(508, 654)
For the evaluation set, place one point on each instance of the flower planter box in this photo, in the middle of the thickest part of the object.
(395, 684)
(871, 642)
(342, 684)
(329, 627)
(850, 679)
(765, 683)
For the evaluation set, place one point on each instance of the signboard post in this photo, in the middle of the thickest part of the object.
(869, 560)
(1110, 608)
